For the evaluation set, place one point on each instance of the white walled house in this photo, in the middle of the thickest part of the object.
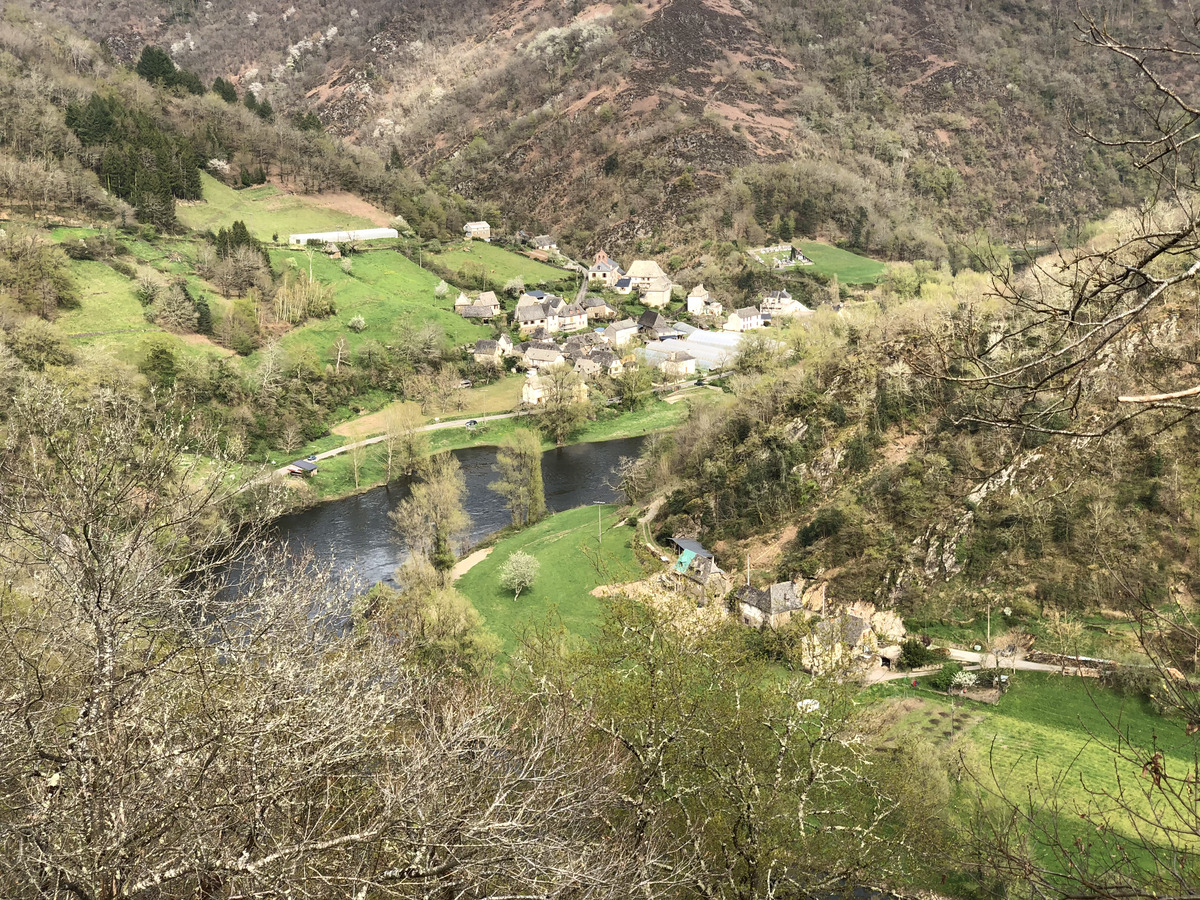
(342, 237)
(747, 318)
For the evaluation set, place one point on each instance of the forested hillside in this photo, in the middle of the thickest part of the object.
(896, 127)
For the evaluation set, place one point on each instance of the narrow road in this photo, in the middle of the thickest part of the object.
(366, 442)
(973, 661)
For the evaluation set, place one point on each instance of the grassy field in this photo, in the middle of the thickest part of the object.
(1050, 730)
(850, 268)
(387, 289)
(265, 209)
(566, 546)
(501, 265)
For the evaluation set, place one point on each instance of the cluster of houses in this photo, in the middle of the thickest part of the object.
(839, 634)
(600, 342)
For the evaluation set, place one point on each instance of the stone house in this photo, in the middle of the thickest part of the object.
(610, 364)
(478, 231)
(701, 303)
(781, 305)
(678, 364)
(657, 293)
(485, 307)
(747, 318)
(644, 271)
(587, 368)
(604, 270)
(598, 309)
(539, 356)
(618, 334)
(772, 606)
(533, 316)
(572, 317)
(655, 327)
(543, 242)
(489, 352)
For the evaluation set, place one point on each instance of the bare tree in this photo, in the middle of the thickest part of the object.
(1063, 353)
(168, 730)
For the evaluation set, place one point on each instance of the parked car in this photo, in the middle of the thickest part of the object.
(312, 457)
(471, 423)
(464, 383)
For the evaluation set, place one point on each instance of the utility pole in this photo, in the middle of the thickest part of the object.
(599, 504)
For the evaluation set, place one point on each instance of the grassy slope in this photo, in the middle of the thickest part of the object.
(1050, 727)
(386, 289)
(850, 268)
(565, 544)
(109, 320)
(501, 264)
(265, 209)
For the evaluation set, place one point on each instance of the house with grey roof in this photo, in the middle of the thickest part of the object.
(605, 270)
(478, 231)
(748, 318)
(618, 334)
(772, 606)
(782, 305)
(643, 271)
(598, 309)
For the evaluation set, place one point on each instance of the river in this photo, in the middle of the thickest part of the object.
(356, 534)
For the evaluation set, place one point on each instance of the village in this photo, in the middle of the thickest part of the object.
(594, 334)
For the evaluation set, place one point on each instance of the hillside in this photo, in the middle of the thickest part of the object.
(856, 468)
(895, 127)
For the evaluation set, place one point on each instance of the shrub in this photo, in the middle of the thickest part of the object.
(357, 324)
(964, 680)
(943, 679)
(914, 654)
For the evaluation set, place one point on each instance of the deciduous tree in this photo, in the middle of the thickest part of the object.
(432, 517)
(519, 466)
(518, 572)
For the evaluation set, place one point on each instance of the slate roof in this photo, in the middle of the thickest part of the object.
(477, 312)
(689, 544)
(747, 312)
(778, 598)
(645, 268)
(483, 345)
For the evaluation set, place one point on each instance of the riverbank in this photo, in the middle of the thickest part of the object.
(336, 480)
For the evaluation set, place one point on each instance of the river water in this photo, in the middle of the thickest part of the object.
(356, 535)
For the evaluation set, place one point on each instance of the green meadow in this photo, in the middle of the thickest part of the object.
(850, 268)
(573, 563)
(265, 209)
(501, 265)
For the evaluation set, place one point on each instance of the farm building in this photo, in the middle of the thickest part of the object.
(343, 237)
